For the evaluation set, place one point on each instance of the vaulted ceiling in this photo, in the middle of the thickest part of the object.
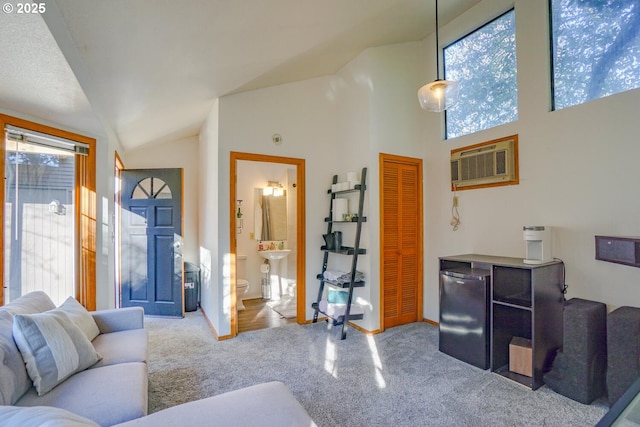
(149, 70)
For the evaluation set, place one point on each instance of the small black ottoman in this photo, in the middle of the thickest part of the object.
(623, 347)
(578, 371)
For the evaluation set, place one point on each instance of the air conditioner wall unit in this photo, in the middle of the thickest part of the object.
(487, 164)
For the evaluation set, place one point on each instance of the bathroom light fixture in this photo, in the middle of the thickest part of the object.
(440, 94)
(273, 188)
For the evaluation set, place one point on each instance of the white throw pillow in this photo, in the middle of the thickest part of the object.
(53, 348)
(41, 416)
(81, 317)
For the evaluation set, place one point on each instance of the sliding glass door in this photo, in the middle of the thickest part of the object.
(40, 217)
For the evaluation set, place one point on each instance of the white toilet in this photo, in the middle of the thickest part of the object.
(242, 285)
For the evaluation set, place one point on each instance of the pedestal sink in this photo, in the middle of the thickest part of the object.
(274, 257)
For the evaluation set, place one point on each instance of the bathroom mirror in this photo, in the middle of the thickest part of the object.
(270, 216)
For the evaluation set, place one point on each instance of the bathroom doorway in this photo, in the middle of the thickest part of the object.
(276, 287)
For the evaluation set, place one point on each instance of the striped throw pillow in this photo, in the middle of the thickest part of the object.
(53, 348)
(81, 317)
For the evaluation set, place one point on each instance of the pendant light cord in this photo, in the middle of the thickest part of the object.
(437, 46)
(440, 94)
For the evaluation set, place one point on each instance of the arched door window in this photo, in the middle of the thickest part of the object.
(151, 188)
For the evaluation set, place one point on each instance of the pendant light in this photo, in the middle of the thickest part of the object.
(440, 94)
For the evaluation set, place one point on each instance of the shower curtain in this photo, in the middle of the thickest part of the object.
(266, 218)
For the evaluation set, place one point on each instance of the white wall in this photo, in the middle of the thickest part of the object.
(339, 124)
(578, 169)
(576, 165)
(213, 293)
(105, 251)
(331, 123)
(377, 114)
(292, 230)
(304, 114)
(181, 154)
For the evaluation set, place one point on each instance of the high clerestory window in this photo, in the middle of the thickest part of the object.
(484, 63)
(595, 49)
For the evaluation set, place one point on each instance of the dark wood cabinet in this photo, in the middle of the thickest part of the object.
(526, 302)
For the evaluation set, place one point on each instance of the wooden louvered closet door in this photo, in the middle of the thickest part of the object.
(401, 237)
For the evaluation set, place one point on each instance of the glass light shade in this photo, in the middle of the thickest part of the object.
(274, 189)
(438, 95)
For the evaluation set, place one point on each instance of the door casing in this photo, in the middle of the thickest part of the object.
(300, 230)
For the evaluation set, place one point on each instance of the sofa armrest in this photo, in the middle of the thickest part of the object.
(267, 404)
(119, 319)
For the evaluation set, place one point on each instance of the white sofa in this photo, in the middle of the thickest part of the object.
(113, 391)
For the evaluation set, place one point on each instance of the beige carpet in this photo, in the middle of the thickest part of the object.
(396, 378)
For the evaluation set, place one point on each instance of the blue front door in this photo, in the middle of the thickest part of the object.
(151, 241)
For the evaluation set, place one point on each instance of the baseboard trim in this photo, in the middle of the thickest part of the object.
(365, 331)
(213, 330)
(310, 321)
(351, 325)
(431, 322)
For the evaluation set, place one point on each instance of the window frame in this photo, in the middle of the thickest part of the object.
(492, 18)
(552, 67)
(85, 205)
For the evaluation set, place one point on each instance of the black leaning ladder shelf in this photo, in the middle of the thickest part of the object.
(341, 314)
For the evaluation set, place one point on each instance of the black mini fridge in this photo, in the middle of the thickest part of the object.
(464, 315)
